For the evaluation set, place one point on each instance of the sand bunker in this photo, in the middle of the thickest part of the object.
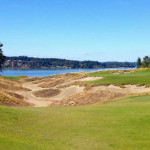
(136, 89)
(128, 89)
(90, 78)
(69, 94)
(66, 92)
(43, 101)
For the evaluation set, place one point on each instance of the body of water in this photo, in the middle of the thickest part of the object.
(48, 72)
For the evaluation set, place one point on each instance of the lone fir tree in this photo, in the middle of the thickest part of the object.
(139, 62)
(2, 57)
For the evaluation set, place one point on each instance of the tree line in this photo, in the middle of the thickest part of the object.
(143, 63)
(24, 62)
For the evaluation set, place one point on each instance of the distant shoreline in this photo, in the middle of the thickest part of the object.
(48, 72)
(68, 68)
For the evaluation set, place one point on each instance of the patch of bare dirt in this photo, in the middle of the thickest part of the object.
(46, 93)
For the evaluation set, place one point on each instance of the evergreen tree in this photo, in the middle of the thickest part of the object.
(139, 62)
(146, 62)
(2, 57)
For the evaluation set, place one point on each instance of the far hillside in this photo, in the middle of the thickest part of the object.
(24, 62)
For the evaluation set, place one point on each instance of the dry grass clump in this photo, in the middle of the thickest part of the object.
(37, 80)
(88, 86)
(88, 98)
(64, 85)
(11, 85)
(52, 83)
(8, 100)
(47, 93)
(13, 94)
(8, 95)
(68, 75)
(14, 87)
(31, 79)
(117, 71)
(43, 80)
(74, 76)
(57, 80)
(84, 84)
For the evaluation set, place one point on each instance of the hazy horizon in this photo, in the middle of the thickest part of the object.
(111, 30)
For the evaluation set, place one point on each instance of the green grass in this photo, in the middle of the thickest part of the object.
(138, 77)
(12, 77)
(118, 125)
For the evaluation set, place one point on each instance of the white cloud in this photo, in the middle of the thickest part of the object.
(85, 53)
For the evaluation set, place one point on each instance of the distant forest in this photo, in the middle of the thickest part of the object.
(24, 62)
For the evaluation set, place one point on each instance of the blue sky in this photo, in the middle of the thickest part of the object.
(103, 30)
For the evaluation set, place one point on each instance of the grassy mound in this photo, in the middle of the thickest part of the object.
(11, 99)
(11, 83)
(13, 94)
(117, 125)
(13, 78)
(8, 87)
(138, 77)
(88, 98)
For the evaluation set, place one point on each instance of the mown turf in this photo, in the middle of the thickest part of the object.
(13, 77)
(137, 77)
(118, 125)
